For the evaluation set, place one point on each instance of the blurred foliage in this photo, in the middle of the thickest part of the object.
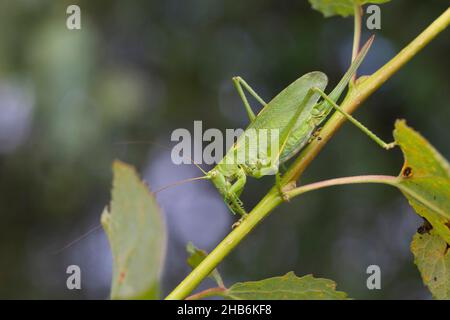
(137, 71)
(196, 256)
(137, 236)
(287, 287)
(432, 257)
(343, 8)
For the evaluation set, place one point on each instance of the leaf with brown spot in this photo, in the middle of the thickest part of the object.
(137, 236)
(432, 258)
(424, 178)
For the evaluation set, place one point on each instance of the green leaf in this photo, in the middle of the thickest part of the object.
(424, 179)
(287, 287)
(137, 236)
(432, 257)
(343, 8)
(196, 256)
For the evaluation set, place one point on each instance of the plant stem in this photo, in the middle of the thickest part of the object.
(217, 291)
(272, 199)
(390, 180)
(357, 33)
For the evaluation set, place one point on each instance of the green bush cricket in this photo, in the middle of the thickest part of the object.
(296, 115)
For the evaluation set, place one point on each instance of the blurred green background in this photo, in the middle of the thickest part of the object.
(72, 101)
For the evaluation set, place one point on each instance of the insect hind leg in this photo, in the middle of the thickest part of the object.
(240, 84)
(358, 124)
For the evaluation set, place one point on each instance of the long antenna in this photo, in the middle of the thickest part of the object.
(180, 182)
(71, 243)
(158, 145)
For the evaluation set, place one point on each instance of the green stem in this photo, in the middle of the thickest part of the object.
(211, 292)
(390, 180)
(356, 34)
(360, 93)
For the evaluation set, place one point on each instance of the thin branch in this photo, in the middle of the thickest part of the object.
(211, 292)
(390, 180)
(356, 33)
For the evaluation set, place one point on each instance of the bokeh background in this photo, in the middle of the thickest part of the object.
(73, 101)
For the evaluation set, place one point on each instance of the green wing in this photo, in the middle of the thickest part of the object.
(304, 128)
(276, 115)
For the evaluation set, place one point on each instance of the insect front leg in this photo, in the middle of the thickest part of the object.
(240, 83)
(235, 191)
(358, 124)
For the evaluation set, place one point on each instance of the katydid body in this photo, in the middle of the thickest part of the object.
(228, 176)
(295, 114)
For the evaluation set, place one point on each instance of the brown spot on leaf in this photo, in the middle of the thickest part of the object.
(122, 276)
(425, 227)
(407, 172)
